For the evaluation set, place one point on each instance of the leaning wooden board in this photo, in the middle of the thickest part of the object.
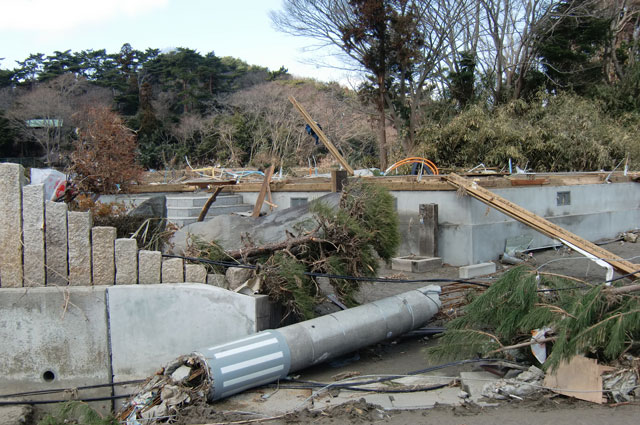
(325, 140)
(540, 224)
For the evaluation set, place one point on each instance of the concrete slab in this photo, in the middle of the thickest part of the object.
(179, 317)
(58, 339)
(271, 402)
(415, 263)
(468, 272)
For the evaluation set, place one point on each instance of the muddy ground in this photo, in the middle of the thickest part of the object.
(407, 354)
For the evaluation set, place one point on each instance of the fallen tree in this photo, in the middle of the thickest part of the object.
(599, 321)
(345, 241)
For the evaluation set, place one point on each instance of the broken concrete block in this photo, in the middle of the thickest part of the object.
(16, 415)
(416, 264)
(173, 270)
(195, 273)
(12, 179)
(56, 243)
(79, 247)
(149, 267)
(236, 276)
(218, 280)
(33, 234)
(103, 240)
(126, 261)
(468, 272)
(473, 383)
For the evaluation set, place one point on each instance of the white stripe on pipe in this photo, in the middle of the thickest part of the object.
(252, 362)
(246, 387)
(251, 376)
(237, 341)
(249, 347)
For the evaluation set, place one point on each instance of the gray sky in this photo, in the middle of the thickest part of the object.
(239, 28)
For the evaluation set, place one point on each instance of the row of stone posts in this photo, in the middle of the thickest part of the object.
(41, 243)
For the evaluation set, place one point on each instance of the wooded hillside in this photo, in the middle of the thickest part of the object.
(551, 85)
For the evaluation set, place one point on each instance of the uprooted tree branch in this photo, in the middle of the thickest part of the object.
(344, 241)
(600, 321)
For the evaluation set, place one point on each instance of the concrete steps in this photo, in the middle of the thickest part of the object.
(183, 210)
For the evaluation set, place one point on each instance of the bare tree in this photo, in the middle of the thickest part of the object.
(357, 28)
(278, 130)
(48, 111)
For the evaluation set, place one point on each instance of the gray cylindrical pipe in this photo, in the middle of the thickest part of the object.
(271, 355)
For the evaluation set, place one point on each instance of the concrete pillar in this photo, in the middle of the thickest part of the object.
(126, 261)
(173, 270)
(79, 248)
(11, 181)
(338, 180)
(195, 273)
(149, 267)
(56, 243)
(33, 234)
(103, 240)
(428, 238)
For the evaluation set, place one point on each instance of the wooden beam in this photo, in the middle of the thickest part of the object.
(263, 192)
(207, 205)
(159, 188)
(321, 135)
(540, 224)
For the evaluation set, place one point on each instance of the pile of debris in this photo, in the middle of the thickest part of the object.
(344, 242)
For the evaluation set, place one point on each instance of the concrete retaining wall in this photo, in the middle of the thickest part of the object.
(79, 336)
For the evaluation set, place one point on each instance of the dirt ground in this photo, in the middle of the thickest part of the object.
(407, 354)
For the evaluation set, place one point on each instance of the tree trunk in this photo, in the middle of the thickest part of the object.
(382, 125)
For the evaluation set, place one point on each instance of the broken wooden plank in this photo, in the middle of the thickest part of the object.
(330, 146)
(263, 192)
(159, 188)
(542, 225)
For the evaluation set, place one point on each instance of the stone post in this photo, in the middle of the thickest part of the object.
(195, 273)
(11, 181)
(79, 248)
(126, 261)
(33, 234)
(56, 243)
(149, 267)
(103, 240)
(173, 270)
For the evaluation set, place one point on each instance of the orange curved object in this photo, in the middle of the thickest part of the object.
(415, 159)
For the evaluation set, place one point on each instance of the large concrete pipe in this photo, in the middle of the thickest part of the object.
(271, 355)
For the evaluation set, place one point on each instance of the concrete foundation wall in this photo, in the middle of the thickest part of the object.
(470, 232)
